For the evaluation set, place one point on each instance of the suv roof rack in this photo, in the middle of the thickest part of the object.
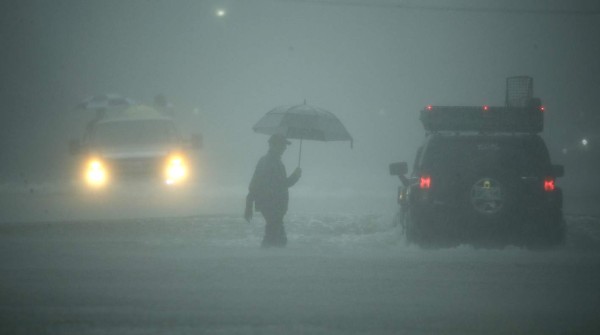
(528, 119)
(519, 91)
(522, 113)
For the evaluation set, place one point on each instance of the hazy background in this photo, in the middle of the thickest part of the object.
(374, 64)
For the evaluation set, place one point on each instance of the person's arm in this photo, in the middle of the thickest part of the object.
(294, 177)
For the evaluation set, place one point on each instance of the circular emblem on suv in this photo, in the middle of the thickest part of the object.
(487, 196)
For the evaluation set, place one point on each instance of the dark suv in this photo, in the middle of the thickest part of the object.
(482, 176)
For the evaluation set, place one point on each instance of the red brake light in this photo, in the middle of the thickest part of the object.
(425, 182)
(549, 185)
(429, 107)
(542, 108)
(486, 107)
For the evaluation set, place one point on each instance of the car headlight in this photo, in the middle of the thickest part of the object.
(176, 170)
(95, 174)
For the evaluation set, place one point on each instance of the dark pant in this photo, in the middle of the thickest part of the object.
(274, 230)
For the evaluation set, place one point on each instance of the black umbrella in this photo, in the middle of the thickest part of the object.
(303, 122)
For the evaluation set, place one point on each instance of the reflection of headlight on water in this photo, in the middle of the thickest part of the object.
(176, 170)
(95, 173)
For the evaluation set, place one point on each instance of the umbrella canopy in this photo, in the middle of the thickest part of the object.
(106, 101)
(303, 122)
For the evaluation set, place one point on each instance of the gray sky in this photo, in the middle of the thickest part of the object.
(374, 64)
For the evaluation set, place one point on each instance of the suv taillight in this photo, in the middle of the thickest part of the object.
(549, 185)
(425, 182)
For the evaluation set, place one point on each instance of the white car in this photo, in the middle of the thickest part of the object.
(136, 143)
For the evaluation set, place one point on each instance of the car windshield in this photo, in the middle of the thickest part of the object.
(526, 155)
(134, 132)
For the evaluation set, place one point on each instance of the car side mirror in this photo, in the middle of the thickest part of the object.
(196, 141)
(398, 169)
(74, 147)
(558, 171)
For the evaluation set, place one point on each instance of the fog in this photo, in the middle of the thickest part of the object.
(374, 64)
(139, 259)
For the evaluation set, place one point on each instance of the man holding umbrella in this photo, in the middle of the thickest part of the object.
(268, 191)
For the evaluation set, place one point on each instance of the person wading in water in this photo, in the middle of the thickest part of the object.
(268, 191)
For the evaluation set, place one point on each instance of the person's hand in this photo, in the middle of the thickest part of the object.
(297, 173)
(248, 213)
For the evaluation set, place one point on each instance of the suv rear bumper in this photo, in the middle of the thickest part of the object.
(461, 221)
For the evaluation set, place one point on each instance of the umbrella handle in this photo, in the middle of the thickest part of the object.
(300, 152)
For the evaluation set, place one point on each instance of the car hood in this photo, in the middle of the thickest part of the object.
(126, 152)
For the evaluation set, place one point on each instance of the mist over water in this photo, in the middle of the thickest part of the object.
(340, 274)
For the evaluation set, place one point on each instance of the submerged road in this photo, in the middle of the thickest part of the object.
(339, 275)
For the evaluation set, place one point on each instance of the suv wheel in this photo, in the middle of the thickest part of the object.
(428, 232)
(547, 232)
(492, 194)
(488, 196)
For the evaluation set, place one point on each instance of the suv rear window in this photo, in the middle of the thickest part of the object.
(526, 155)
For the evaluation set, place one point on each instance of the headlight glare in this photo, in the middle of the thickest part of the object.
(176, 170)
(95, 173)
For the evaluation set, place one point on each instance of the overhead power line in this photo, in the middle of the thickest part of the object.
(452, 8)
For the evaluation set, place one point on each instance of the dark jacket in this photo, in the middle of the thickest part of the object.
(269, 186)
